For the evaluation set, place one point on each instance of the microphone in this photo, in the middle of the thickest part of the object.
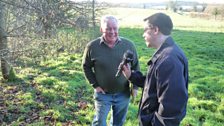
(127, 58)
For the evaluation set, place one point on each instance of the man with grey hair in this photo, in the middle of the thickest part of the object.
(101, 60)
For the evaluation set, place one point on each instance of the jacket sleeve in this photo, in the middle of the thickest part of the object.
(172, 93)
(135, 64)
(137, 79)
(87, 65)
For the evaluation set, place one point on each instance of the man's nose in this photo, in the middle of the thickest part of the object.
(112, 31)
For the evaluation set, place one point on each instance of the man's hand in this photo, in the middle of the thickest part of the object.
(99, 90)
(126, 71)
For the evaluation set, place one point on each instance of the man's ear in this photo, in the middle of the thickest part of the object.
(156, 30)
(101, 30)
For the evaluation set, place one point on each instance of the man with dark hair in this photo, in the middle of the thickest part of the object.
(165, 86)
(101, 59)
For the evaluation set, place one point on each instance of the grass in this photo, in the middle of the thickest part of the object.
(55, 92)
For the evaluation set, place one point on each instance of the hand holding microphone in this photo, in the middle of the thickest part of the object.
(126, 71)
(127, 58)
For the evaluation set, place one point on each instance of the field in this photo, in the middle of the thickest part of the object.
(55, 92)
(133, 18)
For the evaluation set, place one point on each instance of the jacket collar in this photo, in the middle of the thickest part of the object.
(168, 42)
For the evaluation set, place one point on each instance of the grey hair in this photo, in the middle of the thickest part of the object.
(105, 18)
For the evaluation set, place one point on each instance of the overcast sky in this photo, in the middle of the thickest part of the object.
(145, 1)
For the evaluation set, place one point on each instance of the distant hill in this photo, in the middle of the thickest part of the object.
(177, 5)
(153, 4)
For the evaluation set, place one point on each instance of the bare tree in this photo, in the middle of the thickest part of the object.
(5, 67)
(34, 29)
(215, 12)
(172, 4)
(222, 12)
(93, 13)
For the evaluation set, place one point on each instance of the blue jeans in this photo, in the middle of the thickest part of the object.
(104, 102)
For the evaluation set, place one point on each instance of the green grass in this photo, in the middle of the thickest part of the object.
(55, 92)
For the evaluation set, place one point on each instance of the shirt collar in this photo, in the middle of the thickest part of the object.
(102, 40)
(168, 42)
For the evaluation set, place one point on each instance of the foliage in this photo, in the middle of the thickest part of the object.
(215, 10)
(172, 5)
(33, 29)
(12, 75)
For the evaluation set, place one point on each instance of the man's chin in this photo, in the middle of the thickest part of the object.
(113, 39)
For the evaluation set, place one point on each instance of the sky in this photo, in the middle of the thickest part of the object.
(145, 1)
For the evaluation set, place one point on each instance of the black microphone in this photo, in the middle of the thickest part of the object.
(127, 58)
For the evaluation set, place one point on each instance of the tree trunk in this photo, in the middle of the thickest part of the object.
(93, 14)
(5, 67)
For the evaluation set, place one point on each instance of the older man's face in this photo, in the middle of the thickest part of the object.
(110, 31)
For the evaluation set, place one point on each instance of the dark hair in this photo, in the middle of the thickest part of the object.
(162, 21)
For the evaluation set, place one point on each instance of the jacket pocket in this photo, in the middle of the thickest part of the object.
(145, 120)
